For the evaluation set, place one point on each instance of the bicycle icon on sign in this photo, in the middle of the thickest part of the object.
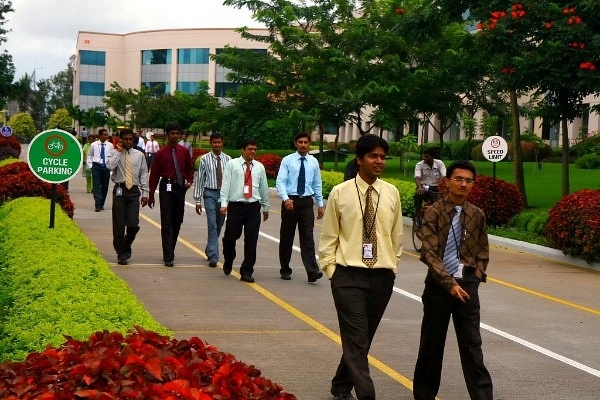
(56, 145)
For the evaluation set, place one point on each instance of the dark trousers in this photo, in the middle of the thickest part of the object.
(302, 216)
(171, 216)
(438, 305)
(361, 296)
(125, 220)
(246, 216)
(100, 181)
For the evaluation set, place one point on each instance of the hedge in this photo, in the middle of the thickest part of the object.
(55, 282)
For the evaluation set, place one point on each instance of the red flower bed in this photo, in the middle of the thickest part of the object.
(574, 225)
(272, 162)
(142, 365)
(498, 209)
(197, 153)
(17, 180)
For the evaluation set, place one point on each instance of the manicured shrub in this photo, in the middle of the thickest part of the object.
(142, 365)
(533, 221)
(17, 180)
(574, 225)
(500, 201)
(589, 144)
(11, 142)
(329, 180)
(8, 152)
(271, 163)
(589, 161)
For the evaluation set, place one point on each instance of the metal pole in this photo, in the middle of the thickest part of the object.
(52, 205)
(494, 196)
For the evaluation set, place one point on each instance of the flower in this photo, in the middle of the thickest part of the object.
(574, 20)
(587, 65)
(548, 25)
(399, 11)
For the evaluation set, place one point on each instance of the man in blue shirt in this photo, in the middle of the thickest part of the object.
(298, 181)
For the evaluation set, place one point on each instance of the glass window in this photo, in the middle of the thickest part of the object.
(187, 87)
(87, 57)
(159, 87)
(221, 88)
(154, 57)
(91, 88)
(192, 56)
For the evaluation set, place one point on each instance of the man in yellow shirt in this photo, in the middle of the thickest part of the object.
(359, 249)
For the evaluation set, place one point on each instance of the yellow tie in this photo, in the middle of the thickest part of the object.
(128, 174)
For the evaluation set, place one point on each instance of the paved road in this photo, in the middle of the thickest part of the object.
(540, 318)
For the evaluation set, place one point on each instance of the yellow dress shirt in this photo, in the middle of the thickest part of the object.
(341, 235)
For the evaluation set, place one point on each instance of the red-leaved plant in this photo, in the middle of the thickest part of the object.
(17, 180)
(198, 153)
(272, 162)
(11, 142)
(574, 225)
(500, 201)
(142, 365)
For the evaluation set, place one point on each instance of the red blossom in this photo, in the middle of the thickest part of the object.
(574, 20)
(548, 25)
(507, 70)
(498, 14)
(568, 10)
(578, 45)
(399, 11)
(480, 26)
(587, 65)
(271, 163)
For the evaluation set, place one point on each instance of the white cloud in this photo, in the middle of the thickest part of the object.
(44, 32)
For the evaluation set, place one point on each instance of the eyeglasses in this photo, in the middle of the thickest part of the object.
(460, 179)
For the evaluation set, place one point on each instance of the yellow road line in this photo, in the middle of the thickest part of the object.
(404, 381)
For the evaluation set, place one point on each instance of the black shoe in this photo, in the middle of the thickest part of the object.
(226, 269)
(97, 210)
(314, 276)
(127, 254)
(344, 396)
(122, 262)
(169, 263)
(286, 276)
(212, 265)
(247, 278)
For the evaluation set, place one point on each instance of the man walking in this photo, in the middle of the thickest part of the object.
(298, 181)
(98, 155)
(456, 252)
(151, 149)
(130, 175)
(184, 142)
(208, 186)
(359, 250)
(173, 167)
(244, 192)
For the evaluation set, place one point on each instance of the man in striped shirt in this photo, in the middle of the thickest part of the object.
(208, 185)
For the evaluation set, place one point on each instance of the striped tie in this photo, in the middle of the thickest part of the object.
(128, 174)
(452, 252)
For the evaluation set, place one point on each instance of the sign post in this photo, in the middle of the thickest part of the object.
(54, 156)
(494, 149)
(6, 131)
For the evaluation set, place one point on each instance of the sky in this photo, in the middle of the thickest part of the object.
(44, 32)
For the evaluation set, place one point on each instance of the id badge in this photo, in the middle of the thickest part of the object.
(246, 189)
(168, 187)
(367, 251)
(119, 191)
(459, 274)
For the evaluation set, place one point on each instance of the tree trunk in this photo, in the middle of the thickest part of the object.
(321, 138)
(335, 149)
(519, 176)
(565, 158)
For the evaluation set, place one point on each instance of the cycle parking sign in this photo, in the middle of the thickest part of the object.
(55, 156)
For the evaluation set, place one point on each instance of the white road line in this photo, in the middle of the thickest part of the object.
(501, 333)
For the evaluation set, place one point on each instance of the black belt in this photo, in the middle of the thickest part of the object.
(294, 196)
(117, 184)
(244, 203)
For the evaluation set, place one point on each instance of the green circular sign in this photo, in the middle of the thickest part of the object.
(55, 156)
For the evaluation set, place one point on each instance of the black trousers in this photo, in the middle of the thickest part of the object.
(438, 305)
(171, 216)
(361, 296)
(302, 216)
(246, 217)
(125, 219)
(100, 181)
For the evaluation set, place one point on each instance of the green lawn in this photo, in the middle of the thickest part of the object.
(543, 187)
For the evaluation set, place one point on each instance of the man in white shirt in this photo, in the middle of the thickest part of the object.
(184, 142)
(97, 158)
(429, 172)
(151, 149)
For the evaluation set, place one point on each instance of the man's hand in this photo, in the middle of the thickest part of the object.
(320, 212)
(223, 210)
(459, 293)
(118, 147)
(151, 202)
(265, 215)
(289, 204)
(199, 209)
(144, 201)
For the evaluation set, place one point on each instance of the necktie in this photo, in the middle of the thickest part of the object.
(219, 173)
(369, 231)
(103, 155)
(451, 253)
(248, 181)
(301, 177)
(177, 170)
(128, 174)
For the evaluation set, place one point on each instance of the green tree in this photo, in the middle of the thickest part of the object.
(60, 119)
(61, 88)
(7, 69)
(119, 101)
(22, 125)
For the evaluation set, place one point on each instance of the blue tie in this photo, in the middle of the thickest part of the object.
(451, 253)
(301, 178)
(102, 155)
